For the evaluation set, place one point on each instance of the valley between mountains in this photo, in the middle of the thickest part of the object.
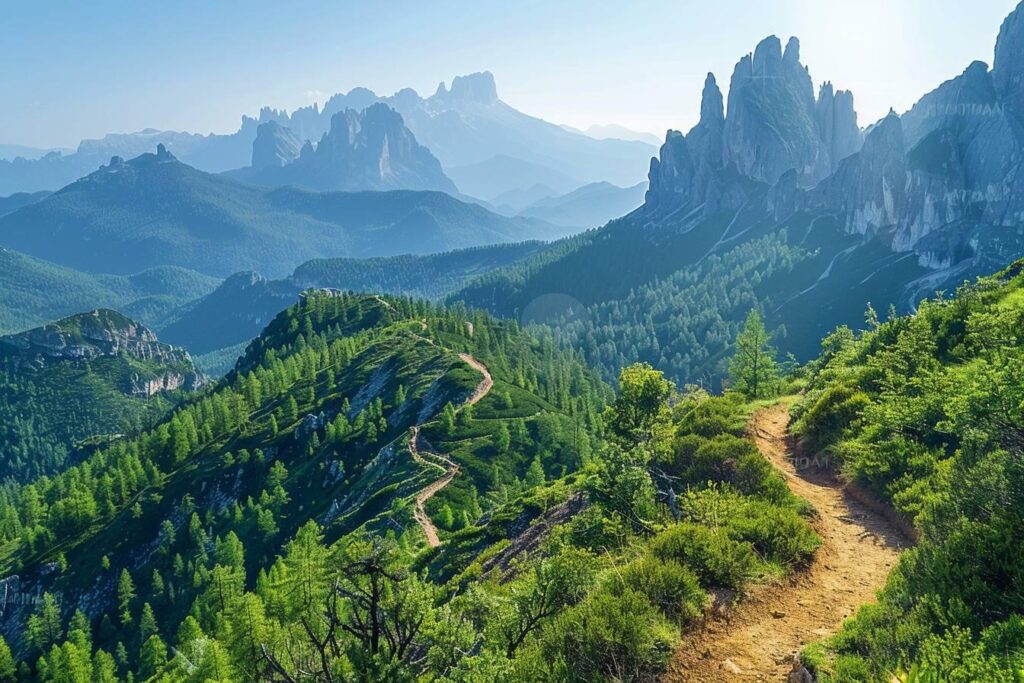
(422, 388)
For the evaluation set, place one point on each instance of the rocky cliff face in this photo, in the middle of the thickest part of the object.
(837, 124)
(1007, 72)
(275, 145)
(477, 88)
(104, 334)
(368, 150)
(774, 126)
(944, 181)
(870, 187)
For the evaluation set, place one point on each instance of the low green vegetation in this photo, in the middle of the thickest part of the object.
(265, 530)
(925, 412)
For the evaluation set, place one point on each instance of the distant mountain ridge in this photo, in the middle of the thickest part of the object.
(463, 125)
(590, 206)
(364, 150)
(36, 292)
(156, 211)
(244, 303)
(469, 123)
(615, 131)
(11, 152)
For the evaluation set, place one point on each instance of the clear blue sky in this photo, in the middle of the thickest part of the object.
(70, 70)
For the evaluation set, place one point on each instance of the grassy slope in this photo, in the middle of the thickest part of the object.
(924, 412)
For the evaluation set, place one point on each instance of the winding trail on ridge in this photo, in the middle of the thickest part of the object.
(427, 457)
(760, 638)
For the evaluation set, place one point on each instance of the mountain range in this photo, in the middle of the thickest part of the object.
(586, 207)
(157, 211)
(12, 152)
(776, 198)
(780, 201)
(669, 430)
(462, 125)
(468, 124)
(363, 150)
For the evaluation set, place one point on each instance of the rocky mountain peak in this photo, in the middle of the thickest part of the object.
(767, 56)
(1008, 67)
(370, 149)
(270, 114)
(792, 54)
(942, 182)
(102, 333)
(837, 124)
(771, 127)
(712, 106)
(275, 145)
(476, 88)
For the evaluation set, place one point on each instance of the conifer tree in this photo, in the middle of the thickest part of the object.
(125, 596)
(147, 623)
(535, 473)
(753, 368)
(448, 419)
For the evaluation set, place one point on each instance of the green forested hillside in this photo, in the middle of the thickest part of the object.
(95, 376)
(925, 412)
(431, 276)
(243, 304)
(156, 211)
(674, 293)
(15, 201)
(310, 427)
(276, 527)
(34, 292)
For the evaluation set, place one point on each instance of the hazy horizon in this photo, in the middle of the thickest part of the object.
(113, 67)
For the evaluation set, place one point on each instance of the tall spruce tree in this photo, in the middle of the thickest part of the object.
(753, 368)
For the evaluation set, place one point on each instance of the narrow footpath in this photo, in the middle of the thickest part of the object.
(759, 639)
(450, 469)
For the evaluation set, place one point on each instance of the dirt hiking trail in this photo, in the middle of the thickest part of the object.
(450, 470)
(426, 457)
(758, 640)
